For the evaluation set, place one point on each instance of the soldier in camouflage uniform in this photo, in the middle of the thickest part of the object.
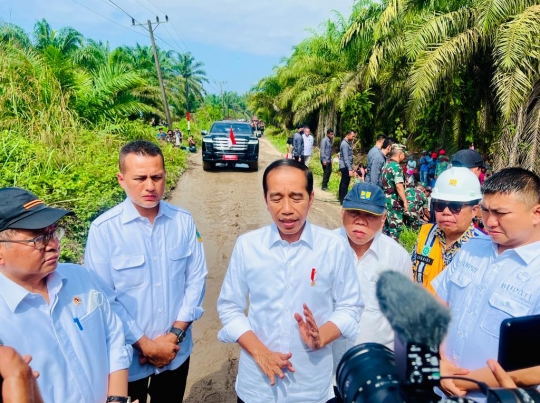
(393, 182)
(418, 207)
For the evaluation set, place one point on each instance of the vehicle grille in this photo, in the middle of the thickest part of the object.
(222, 144)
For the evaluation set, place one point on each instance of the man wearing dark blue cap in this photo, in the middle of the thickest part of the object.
(54, 312)
(364, 214)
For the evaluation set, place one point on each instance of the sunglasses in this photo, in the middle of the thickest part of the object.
(454, 207)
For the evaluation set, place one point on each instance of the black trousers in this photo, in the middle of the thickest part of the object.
(299, 158)
(167, 387)
(344, 184)
(327, 170)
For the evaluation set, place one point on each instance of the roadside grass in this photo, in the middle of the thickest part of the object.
(408, 238)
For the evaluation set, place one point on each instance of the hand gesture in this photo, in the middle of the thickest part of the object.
(19, 385)
(161, 352)
(271, 364)
(309, 331)
(500, 375)
(447, 385)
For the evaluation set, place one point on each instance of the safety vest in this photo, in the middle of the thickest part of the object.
(429, 258)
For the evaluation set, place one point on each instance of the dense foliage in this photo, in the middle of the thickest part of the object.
(67, 105)
(446, 73)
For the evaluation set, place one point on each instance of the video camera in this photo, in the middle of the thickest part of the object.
(372, 373)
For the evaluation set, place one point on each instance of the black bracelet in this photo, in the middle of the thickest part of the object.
(119, 399)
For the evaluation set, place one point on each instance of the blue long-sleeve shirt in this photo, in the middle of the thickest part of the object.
(298, 144)
(326, 150)
(345, 155)
(375, 163)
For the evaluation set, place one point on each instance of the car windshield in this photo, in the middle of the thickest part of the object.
(238, 128)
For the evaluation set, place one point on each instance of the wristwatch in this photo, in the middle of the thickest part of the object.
(118, 399)
(179, 333)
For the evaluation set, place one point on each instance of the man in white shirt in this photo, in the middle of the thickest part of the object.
(491, 280)
(308, 144)
(363, 214)
(57, 313)
(151, 256)
(303, 294)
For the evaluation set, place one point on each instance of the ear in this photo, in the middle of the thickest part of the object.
(120, 178)
(536, 215)
(311, 198)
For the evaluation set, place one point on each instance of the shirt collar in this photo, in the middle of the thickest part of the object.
(14, 293)
(130, 213)
(527, 253)
(464, 237)
(306, 237)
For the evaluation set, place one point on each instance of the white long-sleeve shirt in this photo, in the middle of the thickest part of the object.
(277, 278)
(383, 254)
(158, 273)
(75, 341)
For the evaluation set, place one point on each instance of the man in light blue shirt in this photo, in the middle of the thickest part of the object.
(491, 280)
(303, 294)
(57, 313)
(151, 256)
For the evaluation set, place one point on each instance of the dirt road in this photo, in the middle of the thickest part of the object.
(226, 203)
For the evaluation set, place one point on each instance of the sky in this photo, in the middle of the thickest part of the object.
(239, 41)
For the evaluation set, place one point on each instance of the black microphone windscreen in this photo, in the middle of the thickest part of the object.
(412, 311)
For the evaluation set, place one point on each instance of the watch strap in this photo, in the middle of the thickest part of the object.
(179, 333)
(118, 399)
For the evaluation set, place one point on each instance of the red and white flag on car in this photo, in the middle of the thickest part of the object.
(232, 140)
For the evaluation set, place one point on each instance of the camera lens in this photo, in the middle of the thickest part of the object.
(367, 373)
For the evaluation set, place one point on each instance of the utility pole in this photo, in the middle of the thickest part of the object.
(222, 99)
(151, 30)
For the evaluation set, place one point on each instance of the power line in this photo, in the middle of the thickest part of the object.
(174, 39)
(142, 5)
(124, 11)
(159, 9)
(108, 19)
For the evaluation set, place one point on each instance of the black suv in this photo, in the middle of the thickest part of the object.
(217, 148)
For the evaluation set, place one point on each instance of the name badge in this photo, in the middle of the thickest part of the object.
(424, 259)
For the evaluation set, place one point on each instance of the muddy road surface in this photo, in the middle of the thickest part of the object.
(226, 203)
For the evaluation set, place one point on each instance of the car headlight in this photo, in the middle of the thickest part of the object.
(253, 142)
(205, 140)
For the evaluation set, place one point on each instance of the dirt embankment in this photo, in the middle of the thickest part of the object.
(226, 203)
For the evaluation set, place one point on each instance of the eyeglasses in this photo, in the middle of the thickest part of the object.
(41, 241)
(454, 207)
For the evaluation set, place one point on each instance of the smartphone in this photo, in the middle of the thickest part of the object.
(518, 343)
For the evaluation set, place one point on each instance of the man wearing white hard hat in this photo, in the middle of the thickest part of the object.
(455, 200)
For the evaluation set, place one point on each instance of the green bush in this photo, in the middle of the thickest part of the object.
(85, 184)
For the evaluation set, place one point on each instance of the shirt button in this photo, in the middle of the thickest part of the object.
(158, 284)
(455, 356)
(460, 334)
(155, 257)
(470, 311)
(286, 309)
(160, 310)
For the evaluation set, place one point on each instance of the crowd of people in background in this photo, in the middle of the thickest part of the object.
(176, 138)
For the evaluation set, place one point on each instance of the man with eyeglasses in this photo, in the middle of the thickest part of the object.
(455, 203)
(56, 313)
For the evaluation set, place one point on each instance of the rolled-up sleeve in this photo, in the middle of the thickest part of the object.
(232, 301)
(96, 259)
(347, 296)
(195, 280)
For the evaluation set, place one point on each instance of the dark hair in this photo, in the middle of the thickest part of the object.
(387, 142)
(288, 163)
(139, 147)
(349, 132)
(381, 137)
(306, 127)
(514, 180)
(328, 131)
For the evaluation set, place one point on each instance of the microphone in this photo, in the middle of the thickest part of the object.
(412, 311)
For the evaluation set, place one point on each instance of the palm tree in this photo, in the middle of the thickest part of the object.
(186, 82)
